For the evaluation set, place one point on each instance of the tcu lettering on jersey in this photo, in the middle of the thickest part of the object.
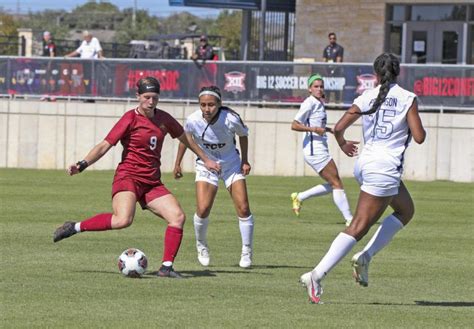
(214, 146)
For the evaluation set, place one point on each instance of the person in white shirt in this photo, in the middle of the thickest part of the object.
(89, 49)
(214, 128)
(389, 119)
(311, 119)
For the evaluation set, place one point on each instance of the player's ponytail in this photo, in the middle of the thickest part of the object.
(387, 68)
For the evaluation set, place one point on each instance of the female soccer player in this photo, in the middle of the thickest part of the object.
(213, 128)
(141, 131)
(311, 118)
(389, 119)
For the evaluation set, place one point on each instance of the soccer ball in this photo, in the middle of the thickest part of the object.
(132, 263)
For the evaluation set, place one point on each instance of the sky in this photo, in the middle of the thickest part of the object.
(154, 7)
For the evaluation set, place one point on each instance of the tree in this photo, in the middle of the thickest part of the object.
(93, 16)
(8, 35)
(145, 26)
(228, 24)
(179, 23)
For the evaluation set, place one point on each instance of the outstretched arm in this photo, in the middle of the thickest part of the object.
(72, 54)
(348, 147)
(95, 154)
(298, 126)
(177, 172)
(188, 141)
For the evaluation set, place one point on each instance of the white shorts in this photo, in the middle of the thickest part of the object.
(229, 174)
(319, 160)
(378, 177)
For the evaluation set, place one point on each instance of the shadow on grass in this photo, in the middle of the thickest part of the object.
(444, 304)
(144, 276)
(417, 303)
(210, 273)
(277, 266)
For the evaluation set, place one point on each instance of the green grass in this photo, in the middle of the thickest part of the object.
(423, 279)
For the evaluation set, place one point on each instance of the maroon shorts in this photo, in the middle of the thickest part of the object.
(145, 193)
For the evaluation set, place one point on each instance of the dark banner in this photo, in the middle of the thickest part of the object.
(248, 82)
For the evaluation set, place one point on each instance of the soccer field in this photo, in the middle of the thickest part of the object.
(423, 279)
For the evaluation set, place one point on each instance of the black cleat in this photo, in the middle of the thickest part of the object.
(64, 231)
(168, 272)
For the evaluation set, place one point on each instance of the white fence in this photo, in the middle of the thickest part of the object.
(46, 135)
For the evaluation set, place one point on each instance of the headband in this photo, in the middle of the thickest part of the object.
(313, 78)
(148, 88)
(210, 92)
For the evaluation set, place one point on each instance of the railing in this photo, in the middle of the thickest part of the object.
(439, 87)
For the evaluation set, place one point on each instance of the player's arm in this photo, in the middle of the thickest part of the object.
(415, 124)
(244, 147)
(177, 171)
(191, 144)
(298, 126)
(348, 147)
(72, 54)
(95, 154)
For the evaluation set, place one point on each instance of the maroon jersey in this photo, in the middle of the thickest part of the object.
(142, 139)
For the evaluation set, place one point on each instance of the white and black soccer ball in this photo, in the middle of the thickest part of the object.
(132, 263)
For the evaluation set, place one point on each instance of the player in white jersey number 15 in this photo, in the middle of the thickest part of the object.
(214, 128)
(389, 119)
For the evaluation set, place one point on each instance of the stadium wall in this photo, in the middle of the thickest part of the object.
(46, 135)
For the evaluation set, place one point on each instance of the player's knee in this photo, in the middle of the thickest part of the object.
(178, 219)
(203, 212)
(405, 215)
(122, 222)
(243, 211)
(358, 229)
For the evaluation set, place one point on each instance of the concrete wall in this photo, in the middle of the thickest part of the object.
(358, 24)
(45, 135)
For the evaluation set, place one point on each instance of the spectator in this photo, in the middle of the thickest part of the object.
(48, 84)
(89, 49)
(333, 52)
(203, 52)
(49, 47)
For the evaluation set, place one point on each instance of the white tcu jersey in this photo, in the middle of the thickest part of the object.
(218, 139)
(386, 131)
(312, 114)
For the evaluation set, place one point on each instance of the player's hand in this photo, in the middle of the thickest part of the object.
(318, 130)
(350, 148)
(245, 168)
(72, 170)
(213, 166)
(177, 172)
(329, 130)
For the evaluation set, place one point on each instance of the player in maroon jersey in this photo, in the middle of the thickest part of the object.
(141, 131)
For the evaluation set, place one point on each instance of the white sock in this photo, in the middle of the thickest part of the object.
(340, 247)
(200, 229)
(317, 190)
(167, 263)
(340, 199)
(246, 230)
(384, 234)
(77, 227)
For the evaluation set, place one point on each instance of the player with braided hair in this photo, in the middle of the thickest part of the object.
(214, 128)
(390, 120)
